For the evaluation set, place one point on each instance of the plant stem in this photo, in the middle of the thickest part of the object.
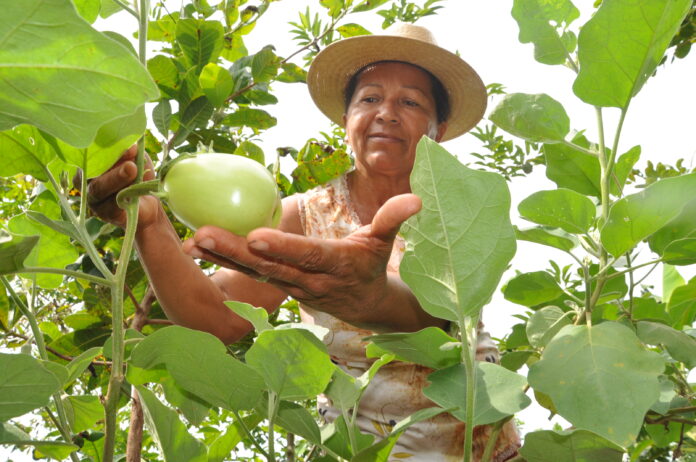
(126, 7)
(493, 438)
(62, 420)
(247, 432)
(273, 402)
(351, 433)
(83, 187)
(65, 272)
(143, 17)
(467, 327)
(579, 148)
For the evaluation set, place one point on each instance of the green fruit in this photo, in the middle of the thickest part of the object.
(225, 190)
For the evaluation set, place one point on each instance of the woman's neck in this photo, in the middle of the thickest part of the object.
(369, 193)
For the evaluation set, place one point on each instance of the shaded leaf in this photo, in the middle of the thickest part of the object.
(424, 347)
(549, 237)
(220, 449)
(459, 244)
(545, 323)
(680, 345)
(587, 370)
(569, 446)
(257, 316)
(532, 289)
(249, 117)
(162, 116)
(498, 393)
(25, 385)
(52, 54)
(24, 151)
(83, 411)
(14, 250)
(535, 118)
(78, 365)
(621, 45)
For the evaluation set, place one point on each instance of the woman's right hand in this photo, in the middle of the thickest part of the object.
(102, 191)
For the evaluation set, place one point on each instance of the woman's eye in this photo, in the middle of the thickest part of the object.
(369, 99)
(410, 102)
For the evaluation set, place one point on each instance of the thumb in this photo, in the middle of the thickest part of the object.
(392, 214)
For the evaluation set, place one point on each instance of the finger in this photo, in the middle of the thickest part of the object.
(388, 219)
(111, 182)
(307, 253)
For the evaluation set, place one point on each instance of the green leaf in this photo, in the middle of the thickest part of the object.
(109, 7)
(53, 249)
(430, 347)
(498, 393)
(199, 364)
(620, 47)
(83, 412)
(256, 316)
(292, 73)
(513, 360)
(191, 406)
(318, 164)
(10, 434)
(252, 151)
(220, 449)
(293, 362)
(24, 151)
(532, 289)
(681, 227)
(200, 41)
(680, 345)
(164, 73)
(367, 5)
(587, 370)
(539, 22)
(681, 252)
(264, 65)
(639, 215)
(550, 237)
(171, 435)
(560, 208)
(544, 324)
(14, 250)
(234, 48)
(78, 365)
(162, 117)
(334, 7)
(88, 9)
(535, 118)
(296, 419)
(460, 243)
(257, 119)
(343, 390)
(569, 446)
(671, 280)
(25, 385)
(195, 115)
(48, 52)
(352, 30)
(667, 394)
(217, 83)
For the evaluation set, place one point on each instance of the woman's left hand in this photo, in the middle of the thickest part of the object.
(346, 278)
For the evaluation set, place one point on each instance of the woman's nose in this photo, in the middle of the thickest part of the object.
(388, 112)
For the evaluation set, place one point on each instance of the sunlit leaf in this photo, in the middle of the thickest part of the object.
(367, 5)
(201, 41)
(25, 385)
(352, 30)
(587, 370)
(639, 215)
(536, 118)
(23, 150)
(217, 83)
(293, 362)
(550, 237)
(560, 208)
(251, 117)
(621, 45)
(498, 393)
(539, 23)
(569, 446)
(460, 243)
(532, 289)
(50, 53)
(256, 316)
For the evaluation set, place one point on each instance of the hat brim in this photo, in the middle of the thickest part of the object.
(336, 64)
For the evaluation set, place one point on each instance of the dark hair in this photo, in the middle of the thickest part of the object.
(442, 106)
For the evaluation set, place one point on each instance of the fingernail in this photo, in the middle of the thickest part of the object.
(259, 245)
(206, 243)
(124, 172)
(194, 253)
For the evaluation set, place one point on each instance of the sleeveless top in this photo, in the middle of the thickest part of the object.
(395, 392)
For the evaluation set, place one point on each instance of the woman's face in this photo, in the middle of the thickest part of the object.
(391, 109)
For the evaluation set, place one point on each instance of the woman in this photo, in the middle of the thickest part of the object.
(336, 250)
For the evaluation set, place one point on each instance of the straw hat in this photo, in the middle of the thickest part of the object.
(336, 64)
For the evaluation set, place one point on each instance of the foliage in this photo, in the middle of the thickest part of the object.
(85, 341)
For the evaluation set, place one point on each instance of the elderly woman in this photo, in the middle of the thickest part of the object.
(336, 250)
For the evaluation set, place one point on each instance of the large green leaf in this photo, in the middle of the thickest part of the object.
(499, 392)
(23, 150)
(536, 118)
(171, 435)
(293, 362)
(199, 364)
(639, 215)
(551, 237)
(560, 208)
(56, 68)
(621, 45)
(532, 289)
(681, 227)
(539, 22)
(217, 83)
(680, 345)
(201, 41)
(587, 370)
(460, 243)
(544, 324)
(430, 347)
(569, 446)
(250, 117)
(25, 384)
(53, 249)
(14, 250)
(59, 450)
(295, 419)
(83, 411)
(194, 409)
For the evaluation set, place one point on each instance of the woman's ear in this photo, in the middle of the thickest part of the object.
(441, 129)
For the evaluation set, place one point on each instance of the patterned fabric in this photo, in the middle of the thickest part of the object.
(395, 392)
